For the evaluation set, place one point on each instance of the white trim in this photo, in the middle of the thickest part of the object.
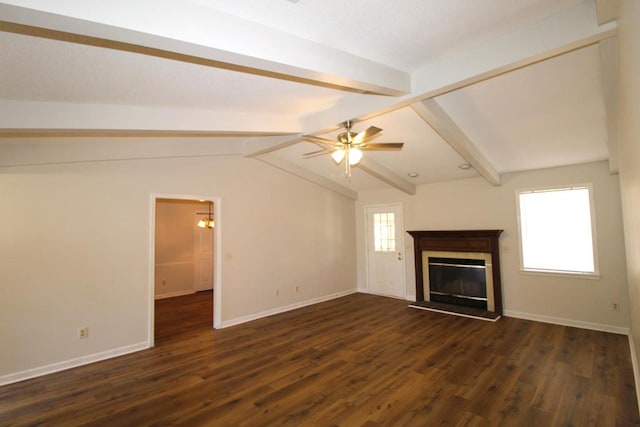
(151, 291)
(217, 257)
(267, 313)
(634, 365)
(454, 313)
(72, 363)
(411, 298)
(568, 322)
(175, 294)
(560, 273)
(404, 298)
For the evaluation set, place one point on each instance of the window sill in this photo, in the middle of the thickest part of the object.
(563, 274)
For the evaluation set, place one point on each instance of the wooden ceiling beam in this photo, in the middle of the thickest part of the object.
(375, 169)
(433, 114)
(202, 35)
(127, 120)
(516, 50)
(608, 65)
(259, 146)
(305, 174)
(606, 10)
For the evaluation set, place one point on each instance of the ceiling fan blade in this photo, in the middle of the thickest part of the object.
(383, 146)
(324, 142)
(319, 139)
(366, 134)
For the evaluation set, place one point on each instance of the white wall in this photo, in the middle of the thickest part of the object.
(75, 250)
(629, 123)
(475, 204)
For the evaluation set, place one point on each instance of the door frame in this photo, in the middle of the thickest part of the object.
(217, 260)
(401, 244)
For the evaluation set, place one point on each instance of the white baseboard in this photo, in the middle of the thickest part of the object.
(406, 297)
(175, 294)
(568, 322)
(72, 363)
(634, 365)
(244, 319)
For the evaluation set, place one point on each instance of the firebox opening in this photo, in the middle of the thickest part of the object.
(463, 279)
(459, 281)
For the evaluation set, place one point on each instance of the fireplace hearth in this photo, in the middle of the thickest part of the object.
(458, 272)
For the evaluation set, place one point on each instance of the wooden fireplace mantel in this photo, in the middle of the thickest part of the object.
(485, 241)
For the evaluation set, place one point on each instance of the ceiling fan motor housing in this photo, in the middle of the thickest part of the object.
(345, 137)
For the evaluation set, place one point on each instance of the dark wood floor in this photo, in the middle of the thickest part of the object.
(360, 360)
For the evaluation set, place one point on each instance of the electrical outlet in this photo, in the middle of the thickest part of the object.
(615, 306)
(297, 289)
(164, 282)
(277, 292)
(83, 333)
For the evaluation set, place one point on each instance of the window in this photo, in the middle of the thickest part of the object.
(384, 232)
(557, 230)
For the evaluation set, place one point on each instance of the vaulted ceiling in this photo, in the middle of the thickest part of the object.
(500, 85)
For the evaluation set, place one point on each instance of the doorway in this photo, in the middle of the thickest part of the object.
(203, 251)
(385, 250)
(184, 258)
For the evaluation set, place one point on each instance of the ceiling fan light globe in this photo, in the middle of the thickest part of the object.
(338, 156)
(202, 223)
(355, 155)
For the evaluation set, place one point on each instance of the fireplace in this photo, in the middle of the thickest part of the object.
(458, 271)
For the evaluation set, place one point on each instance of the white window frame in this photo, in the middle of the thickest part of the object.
(594, 241)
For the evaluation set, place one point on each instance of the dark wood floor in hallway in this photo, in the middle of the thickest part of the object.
(359, 360)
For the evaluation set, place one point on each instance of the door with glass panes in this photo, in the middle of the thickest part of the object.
(385, 250)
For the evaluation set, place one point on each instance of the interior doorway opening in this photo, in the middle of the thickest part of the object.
(184, 262)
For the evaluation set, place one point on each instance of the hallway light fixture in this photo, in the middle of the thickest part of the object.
(207, 222)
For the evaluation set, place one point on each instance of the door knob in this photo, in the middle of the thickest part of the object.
(399, 256)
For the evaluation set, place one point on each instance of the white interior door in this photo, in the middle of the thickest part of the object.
(203, 256)
(385, 250)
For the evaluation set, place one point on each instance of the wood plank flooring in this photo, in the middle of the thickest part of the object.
(360, 360)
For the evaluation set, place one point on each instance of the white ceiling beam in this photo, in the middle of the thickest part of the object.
(562, 33)
(433, 114)
(607, 10)
(385, 175)
(190, 32)
(125, 120)
(264, 145)
(608, 65)
(260, 146)
(60, 150)
(300, 172)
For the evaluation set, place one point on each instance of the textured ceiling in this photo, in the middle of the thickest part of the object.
(285, 68)
(403, 34)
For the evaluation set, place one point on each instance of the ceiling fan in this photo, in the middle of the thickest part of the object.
(349, 146)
